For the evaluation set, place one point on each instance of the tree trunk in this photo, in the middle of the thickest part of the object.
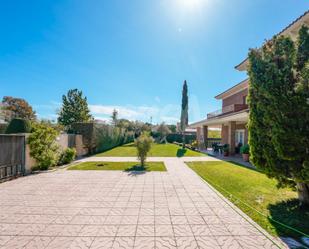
(183, 140)
(303, 193)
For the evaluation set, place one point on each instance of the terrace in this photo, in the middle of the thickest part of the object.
(227, 110)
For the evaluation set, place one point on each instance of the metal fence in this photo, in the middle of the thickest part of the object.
(12, 156)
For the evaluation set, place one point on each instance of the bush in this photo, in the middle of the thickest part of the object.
(108, 137)
(43, 146)
(177, 137)
(18, 125)
(67, 156)
(101, 137)
(245, 149)
(143, 146)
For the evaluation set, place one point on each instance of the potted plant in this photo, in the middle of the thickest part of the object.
(245, 150)
(194, 145)
(226, 150)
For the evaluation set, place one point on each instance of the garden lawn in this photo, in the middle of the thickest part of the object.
(258, 191)
(126, 166)
(157, 150)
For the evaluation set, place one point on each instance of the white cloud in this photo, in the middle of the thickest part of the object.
(158, 114)
(128, 112)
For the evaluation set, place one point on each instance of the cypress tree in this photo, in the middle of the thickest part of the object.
(184, 119)
(279, 111)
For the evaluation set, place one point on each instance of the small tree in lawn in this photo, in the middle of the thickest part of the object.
(74, 109)
(184, 112)
(143, 145)
(279, 111)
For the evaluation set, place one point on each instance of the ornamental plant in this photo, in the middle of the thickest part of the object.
(67, 156)
(43, 146)
(143, 145)
(279, 111)
(245, 149)
(18, 125)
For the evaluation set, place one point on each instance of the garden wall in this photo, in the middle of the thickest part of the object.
(63, 140)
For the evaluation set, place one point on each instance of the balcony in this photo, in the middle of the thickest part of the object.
(227, 110)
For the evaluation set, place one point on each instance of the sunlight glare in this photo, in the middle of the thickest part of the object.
(190, 4)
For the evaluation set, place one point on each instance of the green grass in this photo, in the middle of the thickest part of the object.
(157, 150)
(260, 192)
(125, 166)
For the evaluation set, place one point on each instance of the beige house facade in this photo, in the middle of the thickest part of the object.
(233, 116)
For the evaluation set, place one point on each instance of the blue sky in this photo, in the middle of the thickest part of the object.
(132, 55)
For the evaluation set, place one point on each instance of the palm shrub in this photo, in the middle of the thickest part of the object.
(43, 146)
(18, 125)
(143, 145)
(279, 111)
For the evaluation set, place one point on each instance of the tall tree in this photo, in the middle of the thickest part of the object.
(74, 108)
(17, 108)
(279, 111)
(184, 119)
(114, 117)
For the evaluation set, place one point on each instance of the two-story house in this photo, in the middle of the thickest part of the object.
(232, 118)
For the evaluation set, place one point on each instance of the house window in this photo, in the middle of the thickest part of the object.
(239, 137)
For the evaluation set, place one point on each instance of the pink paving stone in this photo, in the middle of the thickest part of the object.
(113, 209)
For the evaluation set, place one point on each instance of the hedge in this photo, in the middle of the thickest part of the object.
(177, 137)
(101, 137)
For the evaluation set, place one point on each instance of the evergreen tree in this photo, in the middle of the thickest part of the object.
(74, 108)
(279, 111)
(184, 119)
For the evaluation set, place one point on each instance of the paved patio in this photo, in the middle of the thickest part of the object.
(115, 209)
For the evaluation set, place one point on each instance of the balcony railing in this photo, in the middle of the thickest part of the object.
(226, 110)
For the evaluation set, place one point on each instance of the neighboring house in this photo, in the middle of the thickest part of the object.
(233, 117)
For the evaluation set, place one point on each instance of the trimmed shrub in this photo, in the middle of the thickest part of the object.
(177, 137)
(102, 137)
(18, 125)
(108, 137)
(67, 156)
